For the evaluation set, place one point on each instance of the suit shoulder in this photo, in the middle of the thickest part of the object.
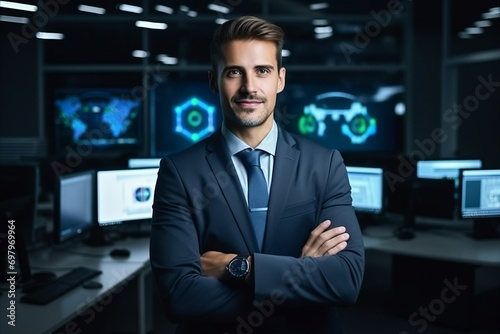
(304, 144)
(189, 154)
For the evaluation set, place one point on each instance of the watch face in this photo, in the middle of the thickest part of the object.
(238, 267)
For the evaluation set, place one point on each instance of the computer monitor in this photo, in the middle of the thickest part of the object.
(480, 200)
(101, 121)
(143, 162)
(366, 189)
(183, 112)
(420, 197)
(446, 168)
(125, 195)
(74, 202)
(354, 115)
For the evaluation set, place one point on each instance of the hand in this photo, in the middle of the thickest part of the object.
(325, 242)
(213, 264)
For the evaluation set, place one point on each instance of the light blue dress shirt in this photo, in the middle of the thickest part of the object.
(268, 145)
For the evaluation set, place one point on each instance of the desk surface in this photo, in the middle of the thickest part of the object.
(115, 275)
(447, 243)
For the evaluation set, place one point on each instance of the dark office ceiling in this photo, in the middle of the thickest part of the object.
(113, 36)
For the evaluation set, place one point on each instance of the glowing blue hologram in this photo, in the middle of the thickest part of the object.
(190, 115)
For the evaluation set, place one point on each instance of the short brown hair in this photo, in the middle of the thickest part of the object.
(246, 28)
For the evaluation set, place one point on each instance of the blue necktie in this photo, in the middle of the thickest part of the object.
(257, 192)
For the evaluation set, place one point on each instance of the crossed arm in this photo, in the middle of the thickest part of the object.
(322, 241)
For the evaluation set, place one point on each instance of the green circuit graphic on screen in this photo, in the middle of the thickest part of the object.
(358, 124)
(194, 119)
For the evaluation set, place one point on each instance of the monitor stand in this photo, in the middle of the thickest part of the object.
(486, 228)
(407, 230)
(97, 237)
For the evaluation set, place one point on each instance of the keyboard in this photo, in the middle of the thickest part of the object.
(60, 286)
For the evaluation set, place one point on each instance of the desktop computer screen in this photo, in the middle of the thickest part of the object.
(125, 195)
(432, 198)
(424, 198)
(445, 169)
(73, 205)
(355, 115)
(183, 112)
(143, 162)
(480, 193)
(366, 189)
(109, 120)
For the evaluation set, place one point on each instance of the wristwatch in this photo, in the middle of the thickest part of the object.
(238, 268)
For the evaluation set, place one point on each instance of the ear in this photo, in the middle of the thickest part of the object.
(281, 79)
(212, 81)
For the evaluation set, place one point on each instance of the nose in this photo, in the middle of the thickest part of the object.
(248, 84)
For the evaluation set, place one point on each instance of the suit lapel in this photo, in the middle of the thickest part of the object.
(285, 165)
(223, 168)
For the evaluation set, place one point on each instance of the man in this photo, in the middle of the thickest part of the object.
(215, 273)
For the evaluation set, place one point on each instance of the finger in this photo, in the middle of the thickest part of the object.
(326, 236)
(316, 232)
(306, 249)
(337, 249)
(334, 245)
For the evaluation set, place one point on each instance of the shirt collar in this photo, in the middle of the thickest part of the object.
(235, 144)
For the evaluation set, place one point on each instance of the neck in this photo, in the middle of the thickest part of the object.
(252, 136)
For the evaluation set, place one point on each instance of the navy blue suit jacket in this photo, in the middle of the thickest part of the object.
(199, 206)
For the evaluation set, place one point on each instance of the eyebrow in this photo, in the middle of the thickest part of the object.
(240, 68)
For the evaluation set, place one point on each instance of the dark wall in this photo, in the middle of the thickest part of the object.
(18, 83)
(425, 96)
(478, 125)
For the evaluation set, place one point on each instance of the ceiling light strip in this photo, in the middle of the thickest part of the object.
(91, 9)
(18, 6)
(130, 8)
(14, 19)
(151, 25)
(49, 35)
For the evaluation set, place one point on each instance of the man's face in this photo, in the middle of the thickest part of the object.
(248, 81)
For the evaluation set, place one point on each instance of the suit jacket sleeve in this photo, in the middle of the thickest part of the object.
(333, 280)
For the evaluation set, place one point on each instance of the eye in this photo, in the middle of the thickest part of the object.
(263, 71)
(233, 73)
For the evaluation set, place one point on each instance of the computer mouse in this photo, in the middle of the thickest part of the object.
(119, 252)
(406, 234)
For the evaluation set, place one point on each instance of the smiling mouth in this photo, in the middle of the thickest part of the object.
(248, 102)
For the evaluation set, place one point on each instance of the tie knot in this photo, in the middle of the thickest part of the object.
(250, 157)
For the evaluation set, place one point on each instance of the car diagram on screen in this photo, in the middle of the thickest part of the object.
(194, 119)
(358, 126)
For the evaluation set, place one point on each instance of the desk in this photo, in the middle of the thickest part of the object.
(425, 268)
(446, 244)
(116, 275)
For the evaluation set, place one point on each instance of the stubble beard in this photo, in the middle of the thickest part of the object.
(239, 120)
(238, 117)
